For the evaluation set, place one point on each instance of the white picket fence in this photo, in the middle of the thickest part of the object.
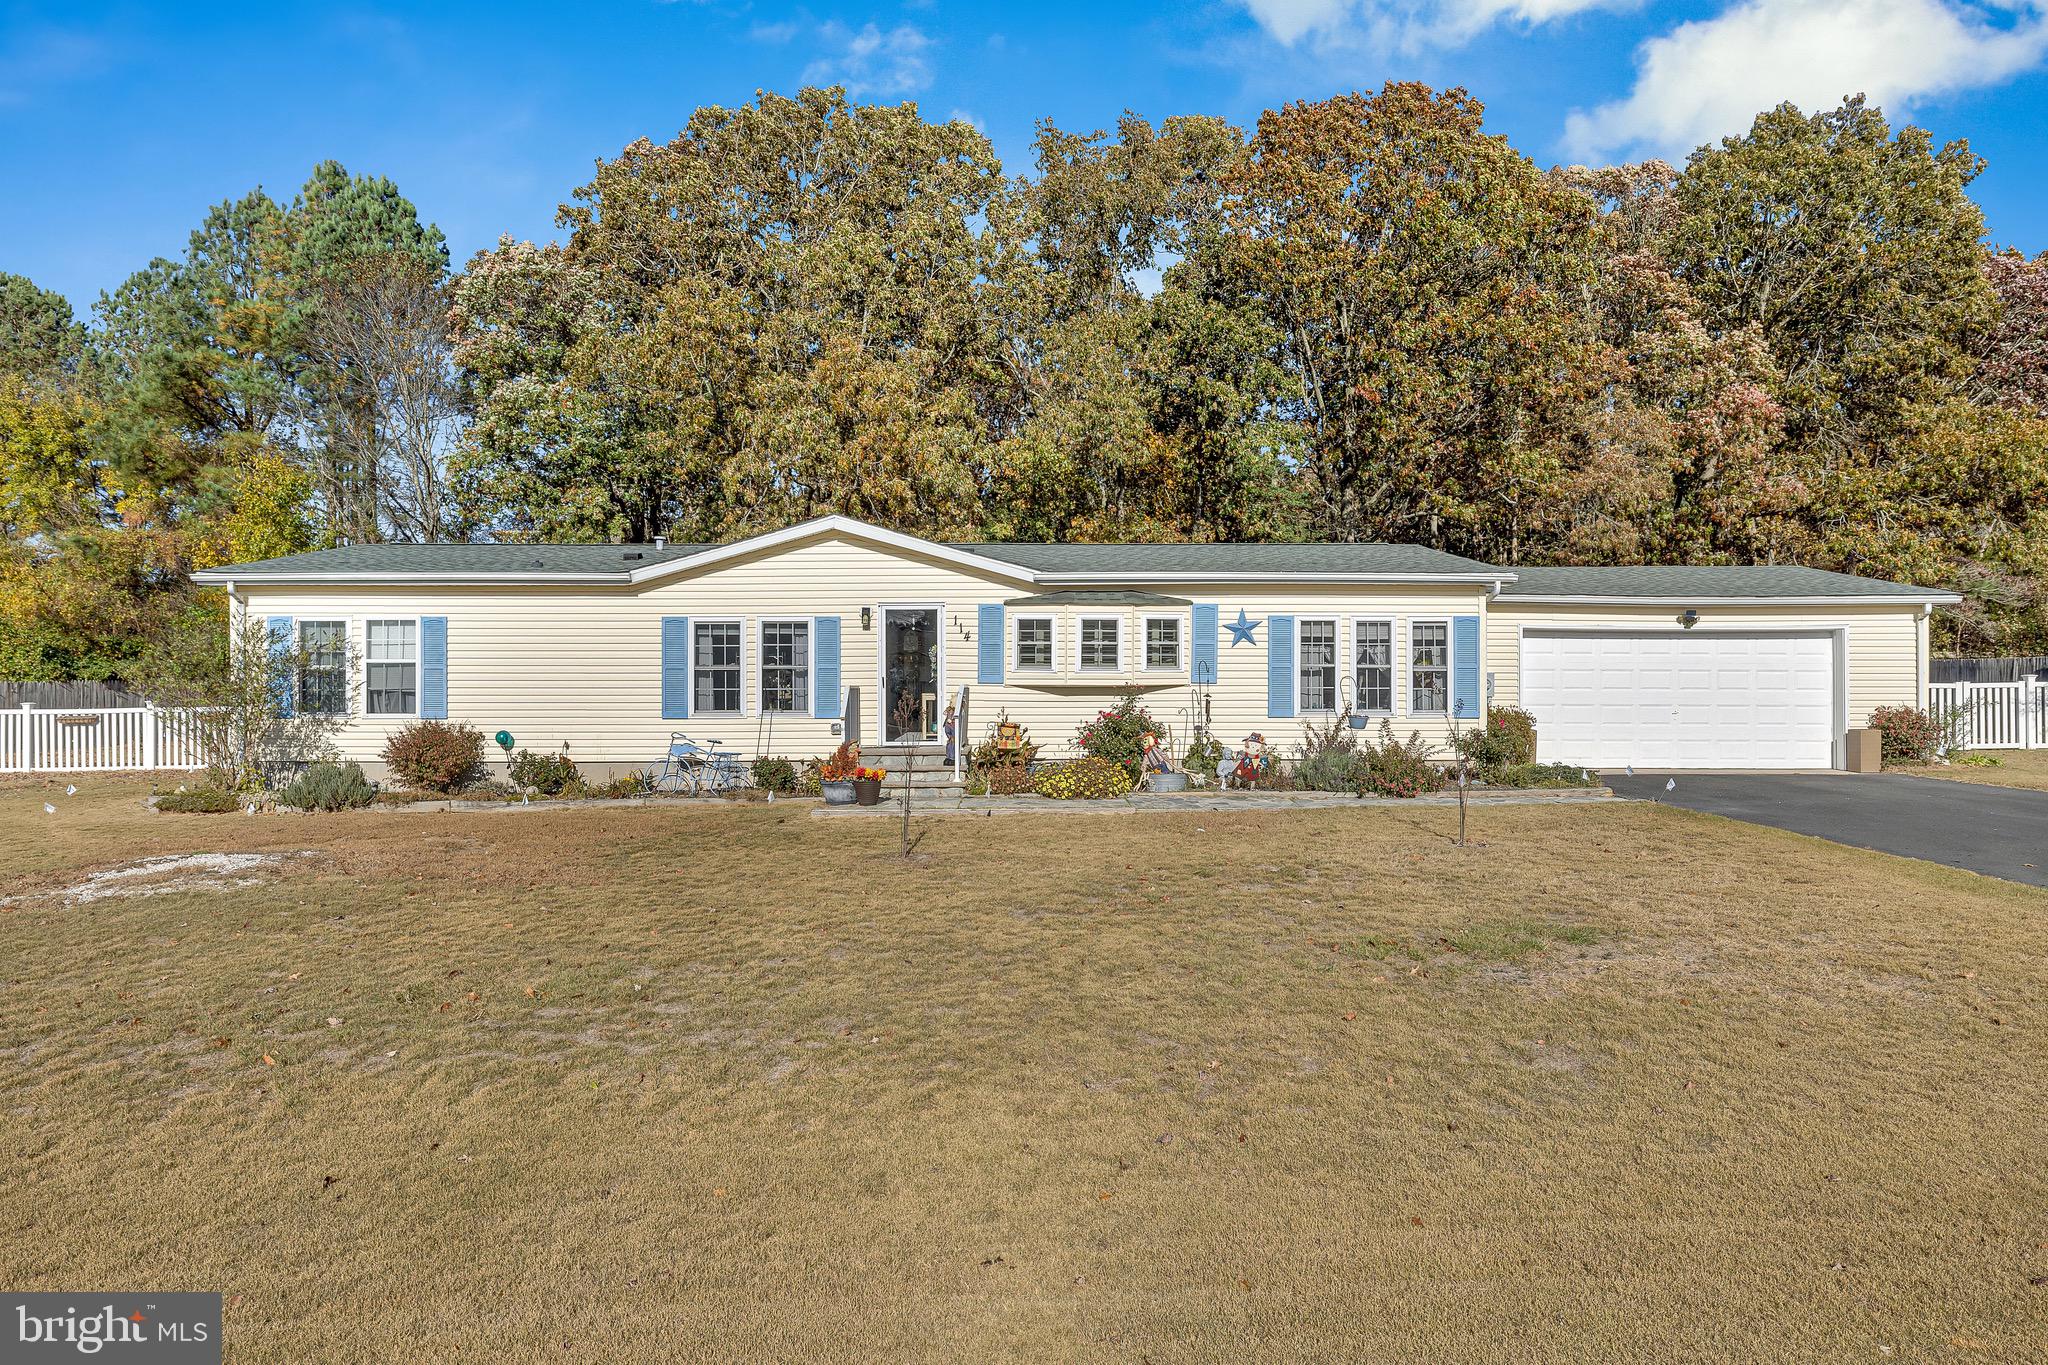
(2010, 715)
(97, 740)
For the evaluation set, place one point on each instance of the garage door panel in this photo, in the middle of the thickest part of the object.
(1697, 700)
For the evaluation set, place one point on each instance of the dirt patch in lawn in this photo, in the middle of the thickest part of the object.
(169, 874)
(1621, 1083)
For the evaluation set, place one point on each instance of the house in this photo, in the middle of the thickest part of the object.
(787, 642)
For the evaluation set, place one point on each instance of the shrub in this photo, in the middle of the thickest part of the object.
(1116, 735)
(547, 774)
(1008, 780)
(1398, 767)
(1528, 775)
(988, 754)
(1085, 779)
(1332, 770)
(842, 765)
(199, 801)
(1202, 757)
(330, 786)
(1906, 734)
(775, 774)
(435, 756)
(620, 788)
(807, 778)
(1507, 740)
(1329, 759)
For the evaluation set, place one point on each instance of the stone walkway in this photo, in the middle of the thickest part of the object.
(1144, 803)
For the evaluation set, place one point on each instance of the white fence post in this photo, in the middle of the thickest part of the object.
(28, 737)
(149, 743)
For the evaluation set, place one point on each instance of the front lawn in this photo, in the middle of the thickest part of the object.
(2025, 768)
(734, 1083)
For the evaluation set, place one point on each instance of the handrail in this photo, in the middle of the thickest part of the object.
(960, 735)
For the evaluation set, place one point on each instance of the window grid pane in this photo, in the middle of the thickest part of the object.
(1430, 674)
(786, 666)
(717, 666)
(392, 678)
(323, 671)
(1034, 642)
(1375, 665)
(1098, 643)
(1316, 648)
(1162, 644)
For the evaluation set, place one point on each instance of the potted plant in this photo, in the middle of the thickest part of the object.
(867, 785)
(835, 774)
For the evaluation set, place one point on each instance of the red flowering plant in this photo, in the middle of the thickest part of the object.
(1118, 734)
(870, 774)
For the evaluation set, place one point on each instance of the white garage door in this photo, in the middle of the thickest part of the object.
(1662, 699)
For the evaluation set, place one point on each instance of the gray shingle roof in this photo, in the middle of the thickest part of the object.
(1280, 560)
(1703, 581)
(467, 559)
(1098, 597)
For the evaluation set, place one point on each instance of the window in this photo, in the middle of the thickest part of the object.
(786, 666)
(392, 684)
(1316, 657)
(715, 666)
(1429, 670)
(1100, 642)
(323, 668)
(1162, 642)
(1374, 646)
(1034, 644)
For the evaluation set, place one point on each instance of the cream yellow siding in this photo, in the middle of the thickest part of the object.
(1884, 646)
(581, 666)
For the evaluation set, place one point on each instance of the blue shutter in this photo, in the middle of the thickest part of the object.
(825, 668)
(1465, 667)
(675, 668)
(1280, 665)
(1203, 656)
(989, 644)
(433, 668)
(281, 680)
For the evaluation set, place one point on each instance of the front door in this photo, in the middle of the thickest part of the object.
(910, 674)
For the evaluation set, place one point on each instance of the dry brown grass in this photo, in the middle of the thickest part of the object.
(2024, 768)
(1624, 1083)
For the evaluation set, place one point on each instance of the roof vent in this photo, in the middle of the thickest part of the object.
(661, 542)
(634, 554)
(536, 564)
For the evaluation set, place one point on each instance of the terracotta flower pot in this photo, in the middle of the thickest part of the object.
(837, 793)
(867, 791)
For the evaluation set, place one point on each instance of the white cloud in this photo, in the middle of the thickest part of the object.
(1710, 77)
(1388, 25)
(871, 62)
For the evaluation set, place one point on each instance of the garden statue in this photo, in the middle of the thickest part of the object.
(952, 732)
(1253, 763)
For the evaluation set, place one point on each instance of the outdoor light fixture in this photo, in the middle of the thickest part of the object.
(1691, 618)
(867, 618)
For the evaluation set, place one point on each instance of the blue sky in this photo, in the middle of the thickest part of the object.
(119, 124)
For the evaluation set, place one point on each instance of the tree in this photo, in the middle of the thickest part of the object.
(2012, 361)
(1421, 276)
(39, 336)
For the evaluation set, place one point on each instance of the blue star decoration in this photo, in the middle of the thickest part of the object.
(1241, 630)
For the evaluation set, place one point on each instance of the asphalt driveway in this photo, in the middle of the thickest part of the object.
(1994, 830)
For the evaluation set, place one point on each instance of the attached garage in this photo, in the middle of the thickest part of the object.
(1675, 698)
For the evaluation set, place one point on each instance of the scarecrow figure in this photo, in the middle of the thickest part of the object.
(1253, 765)
(952, 730)
(1154, 760)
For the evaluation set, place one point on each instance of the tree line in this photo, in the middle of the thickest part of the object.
(1364, 318)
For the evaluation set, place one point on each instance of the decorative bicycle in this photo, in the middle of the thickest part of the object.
(697, 767)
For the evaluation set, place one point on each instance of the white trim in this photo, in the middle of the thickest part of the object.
(1450, 665)
(810, 625)
(1170, 576)
(1336, 624)
(828, 525)
(1181, 631)
(690, 661)
(299, 624)
(882, 610)
(1052, 620)
(1115, 619)
(1678, 604)
(1393, 666)
(418, 668)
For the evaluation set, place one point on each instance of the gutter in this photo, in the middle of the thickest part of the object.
(1932, 599)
